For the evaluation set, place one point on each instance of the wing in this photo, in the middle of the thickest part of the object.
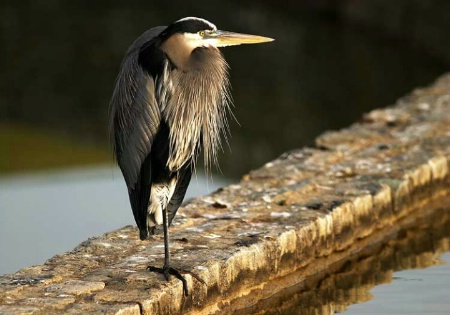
(180, 191)
(134, 122)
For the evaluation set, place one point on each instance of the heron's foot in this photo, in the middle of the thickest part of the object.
(166, 271)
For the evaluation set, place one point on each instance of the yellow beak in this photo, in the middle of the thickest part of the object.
(224, 38)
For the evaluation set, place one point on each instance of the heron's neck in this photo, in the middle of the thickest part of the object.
(195, 105)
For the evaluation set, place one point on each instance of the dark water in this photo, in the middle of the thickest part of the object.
(59, 60)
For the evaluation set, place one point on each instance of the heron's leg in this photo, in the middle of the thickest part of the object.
(166, 245)
(166, 270)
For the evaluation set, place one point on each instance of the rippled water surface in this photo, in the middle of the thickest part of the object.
(415, 291)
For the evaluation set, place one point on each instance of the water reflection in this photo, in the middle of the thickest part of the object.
(332, 291)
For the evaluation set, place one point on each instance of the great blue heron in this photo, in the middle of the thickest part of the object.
(171, 99)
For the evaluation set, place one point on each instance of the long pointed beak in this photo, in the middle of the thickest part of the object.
(224, 38)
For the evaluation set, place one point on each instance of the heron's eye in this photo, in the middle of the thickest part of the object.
(201, 33)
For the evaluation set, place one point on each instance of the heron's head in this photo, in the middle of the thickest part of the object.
(183, 37)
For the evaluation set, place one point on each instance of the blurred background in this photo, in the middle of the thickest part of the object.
(331, 62)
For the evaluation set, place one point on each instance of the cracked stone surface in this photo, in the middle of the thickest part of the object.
(290, 219)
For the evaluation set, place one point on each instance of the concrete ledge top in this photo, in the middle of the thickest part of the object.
(296, 216)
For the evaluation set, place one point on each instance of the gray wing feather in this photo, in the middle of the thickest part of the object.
(180, 191)
(134, 112)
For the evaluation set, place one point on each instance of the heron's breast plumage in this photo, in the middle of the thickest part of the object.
(194, 104)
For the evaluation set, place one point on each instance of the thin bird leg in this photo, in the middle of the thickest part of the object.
(166, 245)
(167, 270)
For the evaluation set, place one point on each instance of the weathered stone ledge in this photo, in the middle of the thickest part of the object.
(295, 216)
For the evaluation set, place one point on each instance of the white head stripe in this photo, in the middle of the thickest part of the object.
(198, 19)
